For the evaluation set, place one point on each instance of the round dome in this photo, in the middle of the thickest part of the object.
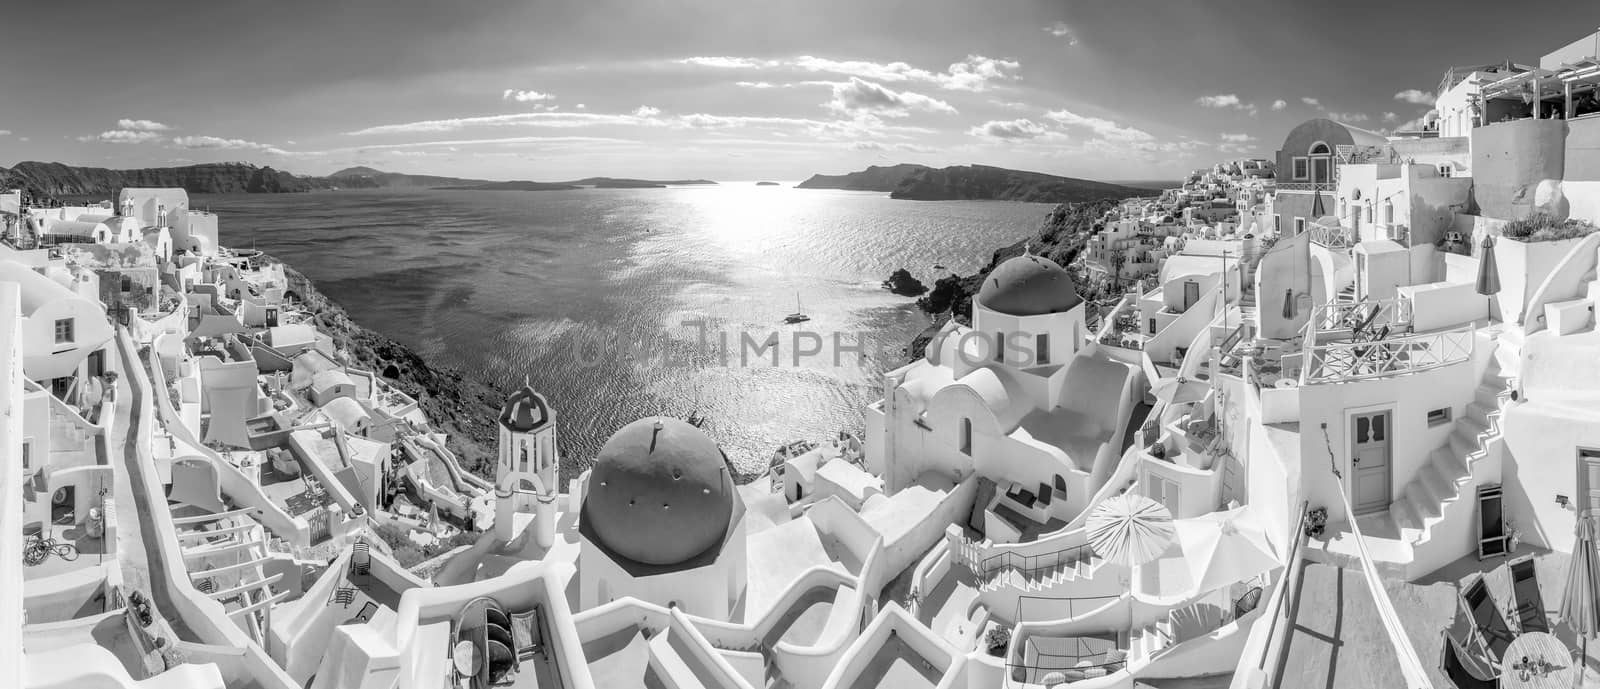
(660, 492)
(1028, 285)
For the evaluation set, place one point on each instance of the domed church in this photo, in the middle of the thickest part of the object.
(1023, 397)
(662, 521)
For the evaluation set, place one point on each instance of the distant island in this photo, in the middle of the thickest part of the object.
(587, 182)
(766, 184)
(971, 182)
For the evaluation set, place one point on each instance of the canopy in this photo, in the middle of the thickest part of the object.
(1129, 529)
(1225, 547)
(1580, 606)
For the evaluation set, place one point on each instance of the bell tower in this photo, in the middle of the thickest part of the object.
(528, 474)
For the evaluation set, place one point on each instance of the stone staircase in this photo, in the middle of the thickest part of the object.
(1347, 295)
(1447, 477)
(1247, 305)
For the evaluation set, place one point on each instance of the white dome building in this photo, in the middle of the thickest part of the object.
(661, 521)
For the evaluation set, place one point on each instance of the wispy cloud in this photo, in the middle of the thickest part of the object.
(646, 111)
(1062, 30)
(1011, 130)
(1416, 96)
(1103, 128)
(1227, 100)
(1348, 116)
(1390, 117)
(122, 136)
(861, 96)
(217, 142)
(1279, 104)
(974, 73)
(1238, 138)
(525, 96)
(1311, 102)
(142, 125)
(5, 132)
(759, 85)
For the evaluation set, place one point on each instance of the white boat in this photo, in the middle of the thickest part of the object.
(799, 315)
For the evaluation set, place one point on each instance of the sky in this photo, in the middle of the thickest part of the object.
(731, 89)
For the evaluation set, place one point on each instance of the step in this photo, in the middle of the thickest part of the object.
(1439, 486)
(1488, 394)
(1480, 413)
(1405, 514)
(1425, 506)
(1450, 463)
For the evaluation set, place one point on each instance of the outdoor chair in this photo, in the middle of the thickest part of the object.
(527, 635)
(1525, 589)
(1497, 635)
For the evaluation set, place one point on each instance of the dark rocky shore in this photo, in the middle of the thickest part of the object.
(456, 404)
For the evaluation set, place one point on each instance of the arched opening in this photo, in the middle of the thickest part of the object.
(391, 372)
(1321, 163)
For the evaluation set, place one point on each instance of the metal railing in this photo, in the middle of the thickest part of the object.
(1064, 662)
(1282, 604)
(1307, 186)
(1372, 313)
(1033, 565)
(1055, 605)
(1331, 237)
(1349, 361)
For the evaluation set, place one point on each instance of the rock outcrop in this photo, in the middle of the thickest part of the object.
(902, 283)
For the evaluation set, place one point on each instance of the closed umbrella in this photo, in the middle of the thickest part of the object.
(1317, 209)
(1179, 390)
(1225, 547)
(1129, 529)
(1580, 605)
(1488, 272)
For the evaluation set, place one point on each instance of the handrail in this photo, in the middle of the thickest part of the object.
(1028, 565)
(1290, 580)
(1349, 361)
(1071, 602)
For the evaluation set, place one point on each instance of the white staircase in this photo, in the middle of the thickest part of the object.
(1443, 481)
(1147, 642)
(1247, 305)
(669, 665)
(1071, 569)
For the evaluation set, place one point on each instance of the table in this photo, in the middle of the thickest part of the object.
(1536, 646)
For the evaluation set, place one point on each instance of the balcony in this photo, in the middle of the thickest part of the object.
(1308, 187)
(1353, 360)
(1332, 237)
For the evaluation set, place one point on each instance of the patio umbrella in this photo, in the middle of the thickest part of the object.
(1317, 209)
(1580, 605)
(1129, 529)
(1488, 272)
(1225, 547)
(1179, 390)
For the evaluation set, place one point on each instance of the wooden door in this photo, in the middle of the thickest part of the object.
(1588, 482)
(1369, 462)
(1191, 294)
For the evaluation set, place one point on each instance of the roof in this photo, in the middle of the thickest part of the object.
(323, 380)
(850, 478)
(36, 289)
(1028, 285)
(526, 411)
(346, 412)
(1182, 265)
(660, 493)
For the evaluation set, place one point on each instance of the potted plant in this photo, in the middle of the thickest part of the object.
(1513, 536)
(1316, 521)
(997, 640)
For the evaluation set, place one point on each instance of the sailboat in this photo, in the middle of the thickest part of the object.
(799, 315)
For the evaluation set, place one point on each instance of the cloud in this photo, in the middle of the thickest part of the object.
(974, 73)
(1348, 116)
(525, 96)
(1009, 130)
(1227, 100)
(1062, 30)
(141, 125)
(1235, 148)
(1416, 96)
(1279, 104)
(646, 111)
(755, 84)
(1390, 117)
(1238, 138)
(5, 132)
(216, 142)
(122, 136)
(1008, 104)
(859, 95)
(1102, 127)
(1311, 102)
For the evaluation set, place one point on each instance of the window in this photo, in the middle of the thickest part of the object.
(1301, 167)
(1320, 149)
(1388, 212)
(966, 437)
(1299, 225)
(1277, 223)
(1000, 347)
(1041, 349)
(1446, 170)
(27, 454)
(1438, 417)
(64, 331)
(1152, 326)
(127, 284)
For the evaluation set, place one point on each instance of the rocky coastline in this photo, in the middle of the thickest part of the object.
(1061, 238)
(457, 405)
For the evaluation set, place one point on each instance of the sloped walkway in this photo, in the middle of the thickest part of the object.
(1338, 641)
